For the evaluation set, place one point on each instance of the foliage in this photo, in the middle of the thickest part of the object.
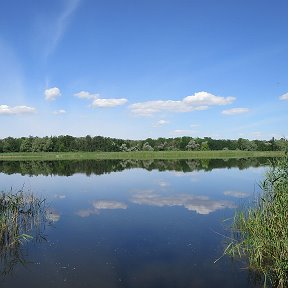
(88, 143)
(261, 232)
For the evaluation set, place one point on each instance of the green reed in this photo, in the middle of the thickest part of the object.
(22, 216)
(260, 232)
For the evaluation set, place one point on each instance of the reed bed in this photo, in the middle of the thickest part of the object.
(260, 232)
(22, 216)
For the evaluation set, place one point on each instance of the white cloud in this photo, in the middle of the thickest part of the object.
(101, 102)
(284, 97)
(108, 102)
(52, 93)
(7, 110)
(59, 112)
(53, 28)
(235, 111)
(204, 98)
(198, 101)
(161, 123)
(87, 95)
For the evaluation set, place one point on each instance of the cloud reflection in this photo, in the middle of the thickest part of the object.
(199, 204)
(52, 216)
(236, 194)
(99, 205)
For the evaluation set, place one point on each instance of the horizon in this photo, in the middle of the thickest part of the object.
(138, 70)
(143, 139)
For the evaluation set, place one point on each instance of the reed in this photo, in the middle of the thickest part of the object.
(260, 232)
(22, 216)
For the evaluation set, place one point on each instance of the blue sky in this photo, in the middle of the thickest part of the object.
(139, 69)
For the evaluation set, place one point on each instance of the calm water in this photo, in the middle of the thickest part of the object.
(132, 224)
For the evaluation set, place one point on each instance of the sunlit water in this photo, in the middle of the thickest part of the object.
(134, 227)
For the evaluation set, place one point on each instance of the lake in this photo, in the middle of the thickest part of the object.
(132, 223)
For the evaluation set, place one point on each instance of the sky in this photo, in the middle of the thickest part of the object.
(135, 69)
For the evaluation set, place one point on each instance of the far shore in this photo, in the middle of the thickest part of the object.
(139, 155)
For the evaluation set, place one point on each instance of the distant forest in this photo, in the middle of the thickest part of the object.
(106, 144)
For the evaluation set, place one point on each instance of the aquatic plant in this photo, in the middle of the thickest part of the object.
(260, 232)
(22, 216)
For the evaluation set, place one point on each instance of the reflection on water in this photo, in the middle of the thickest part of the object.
(148, 227)
(97, 206)
(236, 194)
(199, 204)
(98, 167)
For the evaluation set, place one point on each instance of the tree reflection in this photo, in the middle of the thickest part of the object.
(99, 167)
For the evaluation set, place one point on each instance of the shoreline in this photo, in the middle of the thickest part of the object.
(139, 155)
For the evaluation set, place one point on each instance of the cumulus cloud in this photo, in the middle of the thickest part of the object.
(52, 93)
(204, 98)
(86, 95)
(284, 97)
(108, 102)
(7, 110)
(235, 111)
(198, 101)
(59, 112)
(199, 204)
(101, 102)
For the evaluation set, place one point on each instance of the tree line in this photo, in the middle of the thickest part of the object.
(67, 143)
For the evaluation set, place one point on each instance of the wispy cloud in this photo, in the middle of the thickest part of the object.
(101, 102)
(52, 93)
(198, 101)
(59, 112)
(161, 123)
(284, 97)
(235, 111)
(56, 27)
(16, 110)
(184, 132)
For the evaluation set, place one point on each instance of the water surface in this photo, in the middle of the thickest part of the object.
(133, 224)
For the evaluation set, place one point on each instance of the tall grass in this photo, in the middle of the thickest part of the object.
(22, 216)
(140, 155)
(260, 233)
